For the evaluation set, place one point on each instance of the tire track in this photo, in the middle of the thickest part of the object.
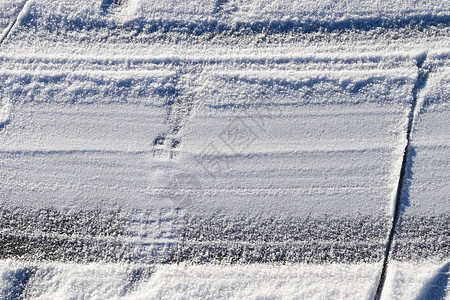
(420, 84)
(222, 22)
(85, 236)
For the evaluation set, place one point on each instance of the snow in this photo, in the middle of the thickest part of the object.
(310, 162)
(426, 200)
(10, 9)
(5, 111)
(124, 281)
(70, 281)
(222, 149)
(413, 280)
(260, 282)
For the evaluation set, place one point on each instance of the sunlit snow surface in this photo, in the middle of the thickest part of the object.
(223, 149)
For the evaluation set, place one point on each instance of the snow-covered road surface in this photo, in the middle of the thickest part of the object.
(207, 149)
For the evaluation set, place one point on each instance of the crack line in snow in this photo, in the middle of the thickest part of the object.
(22, 11)
(420, 83)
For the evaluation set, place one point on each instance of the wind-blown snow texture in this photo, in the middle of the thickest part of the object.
(202, 149)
